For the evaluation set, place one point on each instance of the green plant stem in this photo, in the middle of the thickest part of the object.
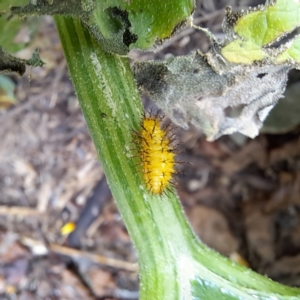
(173, 263)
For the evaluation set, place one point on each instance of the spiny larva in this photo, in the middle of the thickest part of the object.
(155, 146)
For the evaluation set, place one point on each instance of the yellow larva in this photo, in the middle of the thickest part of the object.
(156, 152)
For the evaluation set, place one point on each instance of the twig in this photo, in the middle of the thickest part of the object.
(189, 30)
(74, 253)
(111, 262)
(19, 211)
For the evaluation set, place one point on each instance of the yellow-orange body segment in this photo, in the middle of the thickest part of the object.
(157, 155)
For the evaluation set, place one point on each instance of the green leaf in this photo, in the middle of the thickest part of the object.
(11, 26)
(250, 34)
(202, 289)
(9, 30)
(248, 52)
(291, 53)
(5, 4)
(151, 20)
(265, 24)
(120, 25)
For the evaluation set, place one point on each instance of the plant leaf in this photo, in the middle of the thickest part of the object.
(251, 34)
(9, 28)
(152, 21)
(120, 25)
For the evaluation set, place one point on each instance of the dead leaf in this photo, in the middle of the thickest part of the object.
(212, 228)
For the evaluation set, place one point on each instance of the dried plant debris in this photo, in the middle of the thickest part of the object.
(238, 99)
(234, 86)
(10, 64)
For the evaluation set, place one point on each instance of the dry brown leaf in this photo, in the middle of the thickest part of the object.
(212, 228)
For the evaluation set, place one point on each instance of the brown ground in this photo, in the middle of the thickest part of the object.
(241, 196)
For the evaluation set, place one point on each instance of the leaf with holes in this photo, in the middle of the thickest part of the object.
(120, 25)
